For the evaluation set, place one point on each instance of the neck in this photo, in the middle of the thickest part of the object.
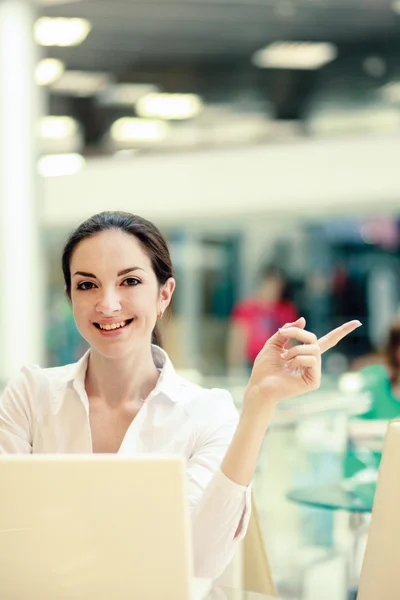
(121, 381)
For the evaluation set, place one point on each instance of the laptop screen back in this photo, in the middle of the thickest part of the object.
(94, 526)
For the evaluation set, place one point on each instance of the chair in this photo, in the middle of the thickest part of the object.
(249, 569)
(380, 570)
(256, 570)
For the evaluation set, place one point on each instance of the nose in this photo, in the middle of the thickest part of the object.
(109, 301)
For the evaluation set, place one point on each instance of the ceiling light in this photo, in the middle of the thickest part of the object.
(295, 55)
(81, 83)
(56, 128)
(169, 106)
(48, 70)
(59, 165)
(59, 135)
(61, 32)
(391, 91)
(130, 129)
(126, 94)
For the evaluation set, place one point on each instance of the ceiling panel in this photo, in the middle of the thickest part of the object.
(221, 28)
(206, 47)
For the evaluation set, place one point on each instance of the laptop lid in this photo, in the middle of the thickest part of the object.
(380, 575)
(94, 527)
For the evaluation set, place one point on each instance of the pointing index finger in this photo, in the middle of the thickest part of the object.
(333, 337)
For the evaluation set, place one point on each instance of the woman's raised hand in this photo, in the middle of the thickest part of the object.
(282, 372)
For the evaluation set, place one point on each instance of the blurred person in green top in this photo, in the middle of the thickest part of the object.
(381, 381)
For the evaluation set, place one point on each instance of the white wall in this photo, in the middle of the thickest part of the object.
(300, 178)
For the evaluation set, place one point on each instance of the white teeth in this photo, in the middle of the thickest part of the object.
(112, 325)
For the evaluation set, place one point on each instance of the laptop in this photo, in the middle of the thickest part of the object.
(95, 527)
(380, 574)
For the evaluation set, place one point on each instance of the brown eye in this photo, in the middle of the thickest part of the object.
(131, 281)
(85, 285)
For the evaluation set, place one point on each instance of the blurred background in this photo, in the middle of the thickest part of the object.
(263, 138)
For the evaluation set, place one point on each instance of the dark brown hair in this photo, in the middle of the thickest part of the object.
(390, 351)
(151, 239)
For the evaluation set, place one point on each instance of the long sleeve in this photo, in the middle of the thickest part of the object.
(220, 508)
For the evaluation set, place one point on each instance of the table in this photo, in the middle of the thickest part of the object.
(336, 496)
(317, 403)
(326, 400)
(357, 500)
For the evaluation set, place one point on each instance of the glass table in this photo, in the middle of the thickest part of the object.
(355, 498)
(354, 492)
(336, 496)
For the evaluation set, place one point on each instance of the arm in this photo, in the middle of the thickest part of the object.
(221, 503)
(241, 457)
(278, 373)
(219, 508)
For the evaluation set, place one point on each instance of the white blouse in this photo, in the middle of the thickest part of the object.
(47, 410)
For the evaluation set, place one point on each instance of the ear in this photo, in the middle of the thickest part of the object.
(166, 292)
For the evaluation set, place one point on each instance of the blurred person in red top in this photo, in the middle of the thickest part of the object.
(255, 319)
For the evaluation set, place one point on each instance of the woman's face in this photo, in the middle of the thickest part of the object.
(272, 288)
(115, 294)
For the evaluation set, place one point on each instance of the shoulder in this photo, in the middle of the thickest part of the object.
(200, 402)
(33, 380)
(374, 374)
(58, 375)
(378, 370)
(244, 308)
(209, 405)
(211, 416)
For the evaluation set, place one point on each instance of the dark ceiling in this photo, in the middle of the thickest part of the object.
(127, 33)
(206, 46)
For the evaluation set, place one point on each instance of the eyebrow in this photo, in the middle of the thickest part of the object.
(120, 273)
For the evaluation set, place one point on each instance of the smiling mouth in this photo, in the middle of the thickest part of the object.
(113, 326)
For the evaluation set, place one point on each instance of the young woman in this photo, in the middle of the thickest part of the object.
(380, 379)
(255, 319)
(124, 396)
